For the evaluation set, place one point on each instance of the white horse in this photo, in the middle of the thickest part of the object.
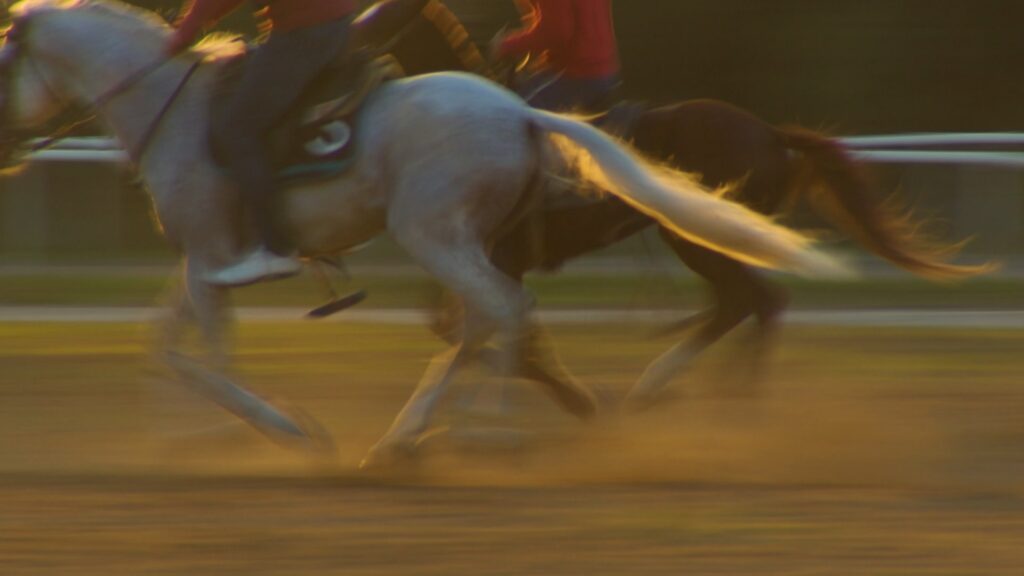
(443, 163)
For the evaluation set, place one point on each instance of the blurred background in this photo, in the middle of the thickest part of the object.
(878, 440)
(846, 67)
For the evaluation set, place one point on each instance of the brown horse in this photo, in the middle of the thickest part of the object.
(775, 166)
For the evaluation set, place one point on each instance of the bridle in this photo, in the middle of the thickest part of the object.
(11, 138)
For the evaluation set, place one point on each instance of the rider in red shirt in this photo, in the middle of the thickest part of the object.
(306, 36)
(576, 38)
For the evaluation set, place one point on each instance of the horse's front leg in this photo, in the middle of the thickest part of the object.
(208, 306)
(170, 336)
(175, 319)
(492, 303)
(659, 374)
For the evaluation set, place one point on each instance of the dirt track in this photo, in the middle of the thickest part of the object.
(872, 451)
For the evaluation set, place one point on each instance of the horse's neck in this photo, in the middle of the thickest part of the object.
(132, 114)
(95, 63)
(176, 152)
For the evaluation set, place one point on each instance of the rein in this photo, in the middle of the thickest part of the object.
(147, 136)
(15, 34)
(120, 88)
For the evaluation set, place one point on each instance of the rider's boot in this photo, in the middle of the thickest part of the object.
(259, 265)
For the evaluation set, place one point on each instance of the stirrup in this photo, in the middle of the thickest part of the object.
(336, 303)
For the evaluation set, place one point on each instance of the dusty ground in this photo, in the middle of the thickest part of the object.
(871, 451)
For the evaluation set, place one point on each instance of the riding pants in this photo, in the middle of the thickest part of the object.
(275, 76)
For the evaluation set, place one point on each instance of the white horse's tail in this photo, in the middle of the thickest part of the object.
(681, 204)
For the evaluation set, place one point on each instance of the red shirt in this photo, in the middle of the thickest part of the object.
(578, 36)
(284, 15)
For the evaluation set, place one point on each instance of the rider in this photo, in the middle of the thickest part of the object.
(576, 40)
(306, 36)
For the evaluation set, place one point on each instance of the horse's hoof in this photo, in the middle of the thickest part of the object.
(389, 454)
(581, 402)
(605, 402)
(585, 406)
(316, 439)
(295, 429)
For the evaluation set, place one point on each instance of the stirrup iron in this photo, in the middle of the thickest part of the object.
(336, 303)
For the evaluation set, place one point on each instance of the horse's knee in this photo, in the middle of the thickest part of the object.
(725, 316)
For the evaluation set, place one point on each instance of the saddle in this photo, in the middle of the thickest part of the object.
(316, 138)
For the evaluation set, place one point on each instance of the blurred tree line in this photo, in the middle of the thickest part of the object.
(851, 66)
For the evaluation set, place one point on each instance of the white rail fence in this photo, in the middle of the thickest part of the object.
(973, 183)
(899, 149)
(921, 149)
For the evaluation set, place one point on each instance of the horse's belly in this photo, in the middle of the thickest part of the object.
(331, 218)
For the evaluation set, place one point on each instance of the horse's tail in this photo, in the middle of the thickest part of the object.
(837, 189)
(681, 204)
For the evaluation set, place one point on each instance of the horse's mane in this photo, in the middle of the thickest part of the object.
(216, 45)
(220, 46)
(27, 8)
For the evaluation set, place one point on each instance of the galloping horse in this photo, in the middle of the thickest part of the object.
(773, 166)
(444, 163)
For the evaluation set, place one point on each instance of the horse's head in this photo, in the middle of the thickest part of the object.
(60, 54)
(28, 98)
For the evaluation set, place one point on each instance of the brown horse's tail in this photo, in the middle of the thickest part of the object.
(837, 188)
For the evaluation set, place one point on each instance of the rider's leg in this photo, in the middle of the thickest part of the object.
(275, 76)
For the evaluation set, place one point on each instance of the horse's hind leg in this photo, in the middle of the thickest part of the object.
(492, 303)
(730, 283)
(540, 363)
(768, 301)
(402, 437)
(514, 255)
(660, 373)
